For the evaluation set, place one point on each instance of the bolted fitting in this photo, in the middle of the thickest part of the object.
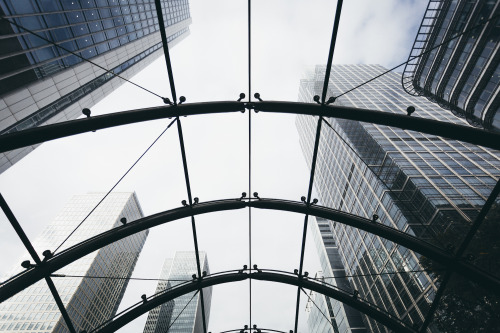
(257, 95)
(410, 110)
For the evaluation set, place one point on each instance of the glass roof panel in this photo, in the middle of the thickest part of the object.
(282, 305)
(217, 155)
(272, 157)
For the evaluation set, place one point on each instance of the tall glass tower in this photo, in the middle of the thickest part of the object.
(420, 184)
(89, 300)
(343, 319)
(463, 75)
(43, 84)
(184, 314)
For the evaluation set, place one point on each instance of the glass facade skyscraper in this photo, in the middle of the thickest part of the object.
(420, 184)
(43, 84)
(463, 75)
(344, 319)
(89, 300)
(317, 308)
(184, 314)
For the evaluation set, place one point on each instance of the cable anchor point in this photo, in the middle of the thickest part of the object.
(410, 110)
(257, 95)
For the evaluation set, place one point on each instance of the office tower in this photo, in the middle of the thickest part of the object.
(420, 184)
(344, 319)
(463, 75)
(42, 84)
(184, 314)
(91, 300)
(319, 315)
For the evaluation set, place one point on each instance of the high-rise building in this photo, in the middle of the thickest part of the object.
(420, 184)
(42, 84)
(343, 318)
(319, 316)
(89, 300)
(463, 75)
(184, 314)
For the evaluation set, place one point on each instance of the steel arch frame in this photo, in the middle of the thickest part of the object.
(72, 254)
(42, 134)
(289, 279)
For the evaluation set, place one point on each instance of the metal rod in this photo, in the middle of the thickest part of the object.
(60, 304)
(468, 238)
(306, 218)
(77, 55)
(332, 49)
(193, 224)
(317, 307)
(22, 235)
(116, 184)
(164, 41)
(19, 230)
(250, 157)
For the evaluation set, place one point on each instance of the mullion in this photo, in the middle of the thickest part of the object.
(166, 52)
(193, 224)
(306, 218)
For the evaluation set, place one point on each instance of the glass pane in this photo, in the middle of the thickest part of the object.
(224, 237)
(284, 298)
(224, 318)
(217, 155)
(196, 60)
(278, 170)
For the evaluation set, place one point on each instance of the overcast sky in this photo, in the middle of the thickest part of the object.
(288, 37)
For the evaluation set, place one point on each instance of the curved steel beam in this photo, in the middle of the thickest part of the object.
(429, 126)
(344, 297)
(50, 132)
(63, 258)
(69, 255)
(67, 128)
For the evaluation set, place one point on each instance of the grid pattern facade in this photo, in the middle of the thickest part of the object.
(317, 307)
(417, 183)
(184, 314)
(464, 74)
(43, 84)
(345, 318)
(88, 301)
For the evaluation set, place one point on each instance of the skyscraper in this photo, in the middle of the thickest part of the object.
(463, 75)
(317, 308)
(418, 183)
(89, 300)
(344, 319)
(42, 84)
(184, 314)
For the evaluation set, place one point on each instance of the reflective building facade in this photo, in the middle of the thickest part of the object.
(88, 301)
(420, 184)
(42, 84)
(317, 308)
(343, 319)
(184, 314)
(463, 75)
